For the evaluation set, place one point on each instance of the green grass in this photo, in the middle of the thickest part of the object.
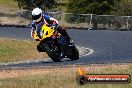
(15, 50)
(64, 78)
(8, 4)
(18, 50)
(11, 5)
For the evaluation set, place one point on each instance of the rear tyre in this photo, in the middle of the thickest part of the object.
(52, 54)
(75, 54)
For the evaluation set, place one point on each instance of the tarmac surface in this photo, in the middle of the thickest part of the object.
(108, 46)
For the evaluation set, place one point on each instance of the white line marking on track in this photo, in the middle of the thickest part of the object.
(82, 51)
(91, 52)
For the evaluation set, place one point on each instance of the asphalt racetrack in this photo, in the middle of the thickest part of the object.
(109, 46)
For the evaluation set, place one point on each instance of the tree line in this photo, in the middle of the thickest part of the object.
(102, 7)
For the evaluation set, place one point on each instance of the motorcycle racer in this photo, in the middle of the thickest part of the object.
(38, 17)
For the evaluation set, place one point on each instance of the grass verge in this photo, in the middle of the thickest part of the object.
(19, 50)
(64, 77)
(8, 5)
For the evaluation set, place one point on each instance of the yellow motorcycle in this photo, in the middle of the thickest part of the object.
(54, 44)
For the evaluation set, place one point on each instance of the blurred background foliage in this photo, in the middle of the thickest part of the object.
(97, 12)
(101, 7)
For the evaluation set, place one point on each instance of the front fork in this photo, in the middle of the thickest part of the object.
(53, 45)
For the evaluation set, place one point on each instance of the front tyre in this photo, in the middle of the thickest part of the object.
(52, 54)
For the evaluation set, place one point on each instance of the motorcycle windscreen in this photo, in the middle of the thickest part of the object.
(38, 28)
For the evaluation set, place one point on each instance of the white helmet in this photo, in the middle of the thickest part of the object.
(37, 14)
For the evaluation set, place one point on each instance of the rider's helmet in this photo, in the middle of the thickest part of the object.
(37, 14)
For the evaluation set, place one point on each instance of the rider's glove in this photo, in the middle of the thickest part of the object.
(53, 26)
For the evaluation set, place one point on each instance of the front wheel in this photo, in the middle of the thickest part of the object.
(55, 56)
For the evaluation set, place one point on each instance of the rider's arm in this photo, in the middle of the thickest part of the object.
(50, 20)
(32, 33)
(54, 21)
(32, 26)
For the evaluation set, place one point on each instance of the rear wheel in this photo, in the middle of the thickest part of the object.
(75, 53)
(55, 56)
